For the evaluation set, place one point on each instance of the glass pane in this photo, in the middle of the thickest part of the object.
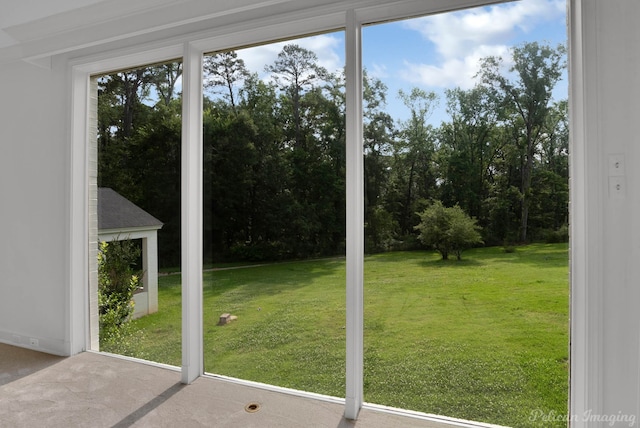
(466, 278)
(139, 147)
(274, 219)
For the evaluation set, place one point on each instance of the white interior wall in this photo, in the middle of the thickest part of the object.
(605, 234)
(34, 205)
(614, 56)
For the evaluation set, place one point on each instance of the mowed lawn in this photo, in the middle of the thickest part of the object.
(485, 338)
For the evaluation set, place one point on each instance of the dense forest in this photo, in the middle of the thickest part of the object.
(274, 154)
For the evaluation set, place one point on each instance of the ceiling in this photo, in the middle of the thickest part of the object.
(16, 13)
(34, 29)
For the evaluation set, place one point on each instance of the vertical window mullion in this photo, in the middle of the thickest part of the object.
(192, 355)
(355, 218)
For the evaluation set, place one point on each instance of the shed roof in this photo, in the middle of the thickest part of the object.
(117, 212)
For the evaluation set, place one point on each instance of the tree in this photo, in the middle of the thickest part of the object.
(139, 135)
(413, 168)
(269, 197)
(229, 158)
(549, 210)
(310, 112)
(295, 70)
(120, 111)
(164, 78)
(537, 68)
(380, 226)
(153, 163)
(447, 230)
(225, 69)
(467, 148)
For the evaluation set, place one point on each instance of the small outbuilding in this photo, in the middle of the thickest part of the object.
(119, 219)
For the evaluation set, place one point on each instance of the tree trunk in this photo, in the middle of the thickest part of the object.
(408, 198)
(526, 187)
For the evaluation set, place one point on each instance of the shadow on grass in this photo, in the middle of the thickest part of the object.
(452, 263)
(251, 283)
(536, 255)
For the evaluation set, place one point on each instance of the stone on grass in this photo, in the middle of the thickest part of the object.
(226, 319)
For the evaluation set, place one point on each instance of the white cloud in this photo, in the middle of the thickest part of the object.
(378, 71)
(325, 47)
(456, 34)
(255, 58)
(452, 72)
(461, 39)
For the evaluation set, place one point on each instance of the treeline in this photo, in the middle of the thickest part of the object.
(274, 154)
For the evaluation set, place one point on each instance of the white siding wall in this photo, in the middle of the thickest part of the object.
(92, 171)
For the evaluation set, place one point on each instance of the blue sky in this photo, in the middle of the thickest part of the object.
(435, 52)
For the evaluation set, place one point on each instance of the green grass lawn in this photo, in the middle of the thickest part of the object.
(485, 338)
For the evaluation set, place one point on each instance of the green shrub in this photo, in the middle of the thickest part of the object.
(558, 236)
(508, 248)
(448, 230)
(117, 282)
